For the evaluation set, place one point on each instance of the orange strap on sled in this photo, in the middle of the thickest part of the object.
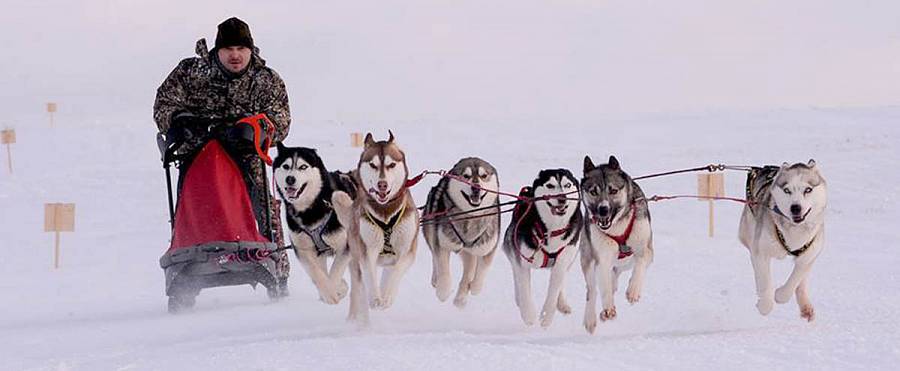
(253, 121)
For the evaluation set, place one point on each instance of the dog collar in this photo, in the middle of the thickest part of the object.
(796, 253)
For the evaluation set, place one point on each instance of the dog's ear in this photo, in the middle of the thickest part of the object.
(613, 163)
(811, 164)
(785, 165)
(390, 136)
(280, 147)
(588, 164)
(369, 141)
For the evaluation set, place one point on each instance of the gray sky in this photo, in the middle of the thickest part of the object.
(474, 60)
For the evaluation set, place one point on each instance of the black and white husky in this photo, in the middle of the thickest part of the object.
(786, 216)
(471, 234)
(315, 232)
(542, 234)
(617, 237)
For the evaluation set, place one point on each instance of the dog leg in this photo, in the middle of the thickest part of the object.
(440, 277)
(561, 304)
(392, 278)
(807, 311)
(801, 270)
(636, 283)
(589, 269)
(522, 280)
(370, 272)
(470, 264)
(484, 263)
(557, 278)
(764, 292)
(607, 281)
(359, 311)
(336, 274)
(313, 266)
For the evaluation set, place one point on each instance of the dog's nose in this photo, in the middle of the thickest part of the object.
(382, 185)
(796, 210)
(290, 180)
(603, 210)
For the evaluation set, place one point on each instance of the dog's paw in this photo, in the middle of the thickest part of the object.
(376, 302)
(808, 313)
(329, 296)
(342, 289)
(443, 288)
(590, 323)
(608, 314)
(633, 294)
(460, 301)
(547, 318)
(563, 307)
(529, 317)
(765, 306)
(475, 287)
(783, 295)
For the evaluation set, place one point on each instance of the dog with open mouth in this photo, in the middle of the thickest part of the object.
(617, 237)
(383, 226)
(544, 229)
(467, 222)
(785, 216)
(306, 187)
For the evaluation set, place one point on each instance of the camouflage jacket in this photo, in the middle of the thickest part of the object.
(199, 86)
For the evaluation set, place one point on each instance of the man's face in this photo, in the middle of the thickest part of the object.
(234, 58)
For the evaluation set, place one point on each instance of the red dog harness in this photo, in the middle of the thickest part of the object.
(540, 239)
(624, 250)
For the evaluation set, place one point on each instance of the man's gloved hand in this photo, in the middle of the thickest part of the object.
(184, 126)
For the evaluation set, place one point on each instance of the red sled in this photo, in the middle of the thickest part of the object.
(217, 238)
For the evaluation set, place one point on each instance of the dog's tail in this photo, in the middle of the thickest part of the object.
(343, 207)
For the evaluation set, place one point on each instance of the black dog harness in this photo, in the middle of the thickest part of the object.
(316, 235)
(387, 229)
(783, 243)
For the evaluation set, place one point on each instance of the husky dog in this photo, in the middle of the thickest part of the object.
(315, 232)
(474, 235)
(617, 237)
(768, 232)
(542, 234)
(383, 225)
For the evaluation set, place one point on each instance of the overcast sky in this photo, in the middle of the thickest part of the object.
(472, 60)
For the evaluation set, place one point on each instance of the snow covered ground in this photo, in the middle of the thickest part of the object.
(105, 307)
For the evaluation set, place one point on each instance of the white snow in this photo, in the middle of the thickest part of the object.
(105, 307)
(524, 84)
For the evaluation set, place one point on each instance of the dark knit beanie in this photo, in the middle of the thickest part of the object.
(233, 32)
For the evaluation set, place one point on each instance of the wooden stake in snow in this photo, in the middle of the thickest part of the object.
(58, 218)
(356, 139)
(711, 185)
(8, 137)
(51, 109)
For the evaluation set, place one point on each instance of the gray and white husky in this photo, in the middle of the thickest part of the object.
(785, 217)
(306, 188)
(543, 234)
(383, 226)
(473, 235)
(617, 237)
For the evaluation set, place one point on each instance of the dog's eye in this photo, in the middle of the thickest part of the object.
(484, 176)
(613, 191)
(304, 167)
(786, 191)
(551, 186)
(807, 191)
(373, 166)
(594, 192)
(392, 165)
(286, 167)
(567, 186)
